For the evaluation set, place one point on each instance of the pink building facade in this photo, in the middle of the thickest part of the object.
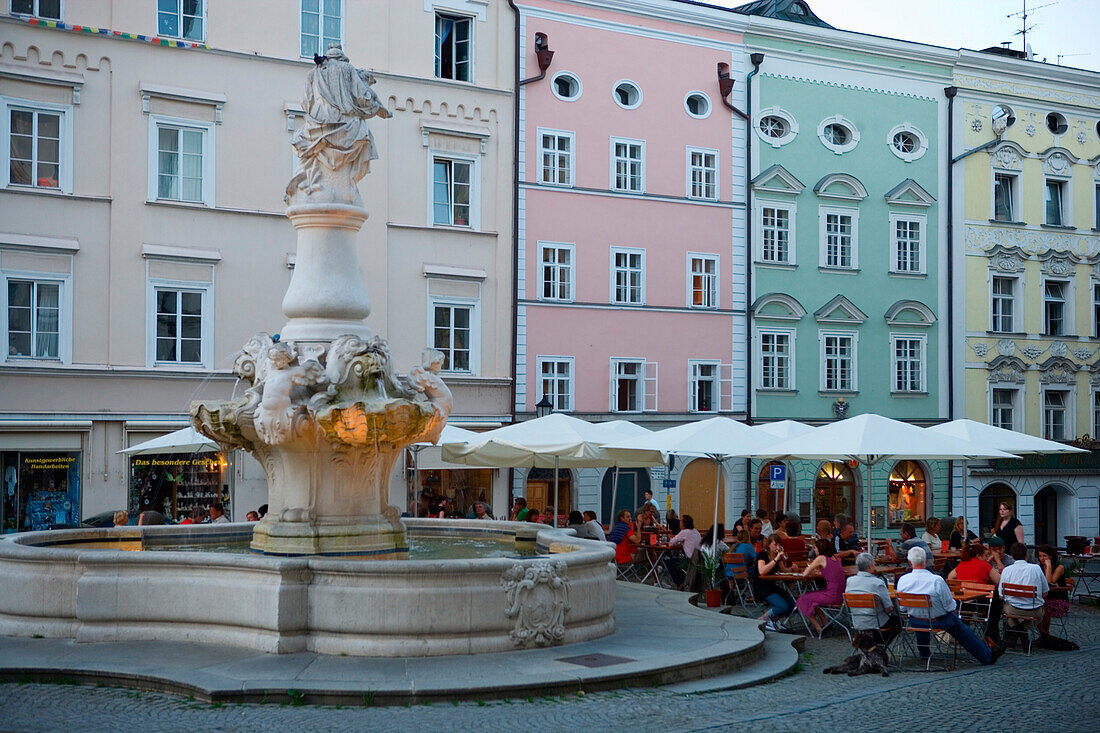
(631, 259)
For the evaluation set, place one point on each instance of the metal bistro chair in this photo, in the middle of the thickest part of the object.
(909, 602)
(1022, 592)
(872, 602)
(1061, 619)
(975, 614)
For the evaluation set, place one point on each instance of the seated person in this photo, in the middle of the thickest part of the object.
(824, 530)
(931, 534)
(576, 523)
(647, 520)
(882, 621)
(718, 531)
(845, 541)
(832, 594)
(743, 546)
(519, 509)
(909, 540)
(995, 555)
(743, 522)
(960, 535)
(1018, 611)
(766, 528)
(624, 537)
(689, 539)
(1057, 604)
(672, 521)
(756, 534)
(595, 530)
(649, 501)
(941, 616)
(780, 604)
(781, 521)
(533, 515)
(973, 568)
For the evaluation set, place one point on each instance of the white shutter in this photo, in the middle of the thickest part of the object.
(613, 392)
(650, 380)
(725, 387)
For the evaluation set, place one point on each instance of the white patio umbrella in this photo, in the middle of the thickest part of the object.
(617, 430)
(450, 434)
(871, 439)
(783, 429)
(187, 440)
(553, 441)
(718, 438)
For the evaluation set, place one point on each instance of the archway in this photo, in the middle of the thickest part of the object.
(632, 483)
(697, 493)
(1055, 509)
(540, 490)
(988, 500)
(834, 491)
(768, 495)
(908, 494)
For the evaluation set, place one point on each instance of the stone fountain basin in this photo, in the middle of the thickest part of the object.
(385, 608)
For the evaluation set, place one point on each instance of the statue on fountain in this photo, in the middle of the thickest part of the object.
(325, 413)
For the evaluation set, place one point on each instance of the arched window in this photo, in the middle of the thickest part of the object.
(772, 497)
(908, 493)
(834, 491)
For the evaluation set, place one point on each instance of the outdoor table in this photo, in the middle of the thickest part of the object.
(1086, 581)
(963, 595)
(654, 555)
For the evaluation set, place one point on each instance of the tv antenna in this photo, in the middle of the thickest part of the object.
(1069, 55)
(1024, 27)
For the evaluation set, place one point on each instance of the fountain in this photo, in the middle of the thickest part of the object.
(326, 415)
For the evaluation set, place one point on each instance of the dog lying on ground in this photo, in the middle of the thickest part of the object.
(870, 657)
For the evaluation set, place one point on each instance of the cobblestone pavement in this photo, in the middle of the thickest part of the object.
(1050, 691)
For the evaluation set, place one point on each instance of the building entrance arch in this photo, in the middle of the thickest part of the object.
(1054, 514)
(988, 500)
(632, 483)
(834, 491)
(697, 493)
(540, 491)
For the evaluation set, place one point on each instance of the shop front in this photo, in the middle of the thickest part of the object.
(175, 483)
(431, 485)
(41, 490)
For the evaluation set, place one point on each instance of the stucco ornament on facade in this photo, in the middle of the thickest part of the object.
(1082, 138)
(976, 125)
(1007, 158)
(1083, 354)
(1058, 164)
(1006, 370)
(538, 598)
(979, 348)
(1058, 370)
(1030, 130)
(1006, 347)
(1058, 348)
(1060, 266)
(1033, 352)
(983, 239)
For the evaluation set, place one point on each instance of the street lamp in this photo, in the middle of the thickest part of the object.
(543, 407)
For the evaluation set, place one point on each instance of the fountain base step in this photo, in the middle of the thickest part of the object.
(373, 538)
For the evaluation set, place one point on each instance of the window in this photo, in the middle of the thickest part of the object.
(1056, 415)
(628, 276)
(451, 189)
(775, 235)
(704, 386)
(1004, 304)
(452, 333)
(180, 19)
(627, 95)
(1004, 197)
(49, 9)
(907, 142)
(775, 126)
(907, 244)
(1096, 310)
(627, 394)
(1054, 308)
(33, 318)
(556, 157)
(1003, 408)
(556, 381)
(1055, 203)
(1096, 413)
(697, 105)
(453, 45)
(179, 325)
(322, 24)
(838, 134)
(702, 174)
(908, 493)
(180, 163)
(908, 363)
(627, 165)
(35, 147)
(556, 261)
(566, 86)
(838, 361)
(1056, 123)
(838, 237)
(775, 360)
(1096, 205)
(703, 281)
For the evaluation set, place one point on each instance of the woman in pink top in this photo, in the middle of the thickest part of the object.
(690, 539)
(832, 594)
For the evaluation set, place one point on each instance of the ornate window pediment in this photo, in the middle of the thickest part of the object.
(778, 179)
(1007, 258)
(910, 313)
(777, 307)
(909, 193)
(1008, 156)
(1058, 370)
(1059, 264)
(840, 310)
(1007, 370)
(1058, 161)
(840, 186)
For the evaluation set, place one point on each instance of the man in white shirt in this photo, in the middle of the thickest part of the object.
(941, 616)
(217, 513)
(1019, 610)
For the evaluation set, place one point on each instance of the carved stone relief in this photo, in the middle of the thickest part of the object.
(1006, 370)
(538, 599)
(1058, 370)
(980, 349)
(1058, 348)
(1006, 347)
(1058, 164)
(1033, 352)
(1007, 158)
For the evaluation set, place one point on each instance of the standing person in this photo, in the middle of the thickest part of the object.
(833, 593)
(624, 538)
(649, 501)
(960, 535)
(1007, 527)
(780, 604)
(519, 509)
(1021, 572)
(766, 528)
(1057, 604)
(217, 514)
(595, 531)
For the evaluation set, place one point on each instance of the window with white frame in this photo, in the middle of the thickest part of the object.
(1096, 310)
(627, 165)
(908, 363)
(454, 327)
(1002, 409)
(556, 157)
(454, 45)
(838, 238)
(48, 9)
(838, 362)
(180, 322)
(38, 144)
(628, 276)
(1003, 305)
(181, 19)
(907, 244)
(557, 272)
(775, 234)
(1096, 412)
(1057, 414)
(34, 316)
(703, 281)
(702, 174)
(1055, 311)
(322, 23)
(1005, 196)
(776, 360)
(1096, 206)
(627, 385)
(452, 191)
(705, 386)
(1056, 202)
(182, 160)
(556, 381)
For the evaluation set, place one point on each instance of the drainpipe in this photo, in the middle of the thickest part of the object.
(756, 59)
(515, 235)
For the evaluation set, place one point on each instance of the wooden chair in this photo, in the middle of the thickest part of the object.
(1021, 592)
(975, 614)
(909, 602)
(871, 602)
(739, 581)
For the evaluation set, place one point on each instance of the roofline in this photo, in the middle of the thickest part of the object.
(1035, 72)
(688, 12)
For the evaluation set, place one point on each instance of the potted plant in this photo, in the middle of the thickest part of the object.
(711, 568)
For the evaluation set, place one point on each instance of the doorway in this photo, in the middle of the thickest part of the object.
(834, 491)
(697, 493)
(988, 499)
(540, 491)
(1046, 516)
(772, 496)
(627, 494)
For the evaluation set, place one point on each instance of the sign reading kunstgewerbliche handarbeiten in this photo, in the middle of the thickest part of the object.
(41, 490)
(175, 483)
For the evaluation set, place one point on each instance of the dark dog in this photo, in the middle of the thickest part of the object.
(870, 657)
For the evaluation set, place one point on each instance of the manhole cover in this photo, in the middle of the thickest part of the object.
(595, 660)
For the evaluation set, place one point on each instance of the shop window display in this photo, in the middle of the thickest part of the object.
(453, 491)
(41, 491)
(908, 493)
(175, 483)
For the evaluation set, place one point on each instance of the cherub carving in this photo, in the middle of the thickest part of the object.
(275, 417)
(425, 380)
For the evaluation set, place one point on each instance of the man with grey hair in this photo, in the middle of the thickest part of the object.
(882, 620)
(941, 615)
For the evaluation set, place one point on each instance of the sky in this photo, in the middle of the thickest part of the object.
(1068, 27)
